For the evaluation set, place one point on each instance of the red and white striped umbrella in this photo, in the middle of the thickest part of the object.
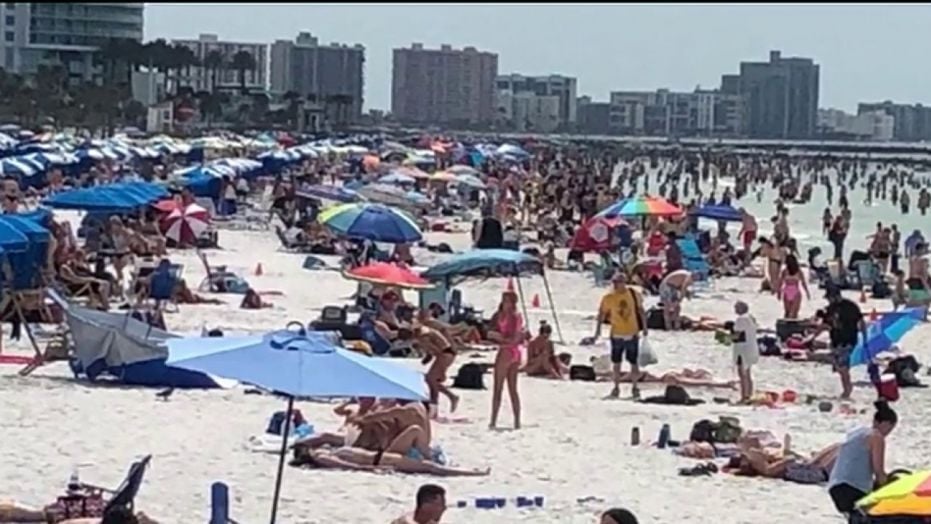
(185, 226)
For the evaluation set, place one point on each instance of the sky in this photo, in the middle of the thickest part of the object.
(866, 52)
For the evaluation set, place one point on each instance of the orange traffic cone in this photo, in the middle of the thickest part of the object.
(536, 301)
(873, 315)
(510, 284)
(863, 295)
(258, 270)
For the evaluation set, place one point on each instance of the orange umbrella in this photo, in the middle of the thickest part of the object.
(385, 274)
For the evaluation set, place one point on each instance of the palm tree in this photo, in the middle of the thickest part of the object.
(183, 60)
(213, 63)
(243, 61)
(294, 106)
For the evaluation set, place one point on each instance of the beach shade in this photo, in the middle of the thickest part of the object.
(185, 226)
(374, 222)
(909, 495)
(388, 195)
(718, 212)
(641, 206)
(596, 235)
(333, 193)
(396, 178)
(443, 176)
(511, 150)
(385, 274)
(464, 170)
(99, 199)
(883, 333)
(296, 364)
(482, 262)
(12, 238)
(167, 205)
(470, 181)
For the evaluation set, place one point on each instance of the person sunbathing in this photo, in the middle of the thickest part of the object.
(252, 300)
(755, 461)
(541, 356)
(398, 416)
(685, 377)
(183, 295)
(77, 276)
(364, 460)
(460, 334)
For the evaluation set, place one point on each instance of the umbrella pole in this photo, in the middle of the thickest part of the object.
(284, 451)
(523, 303)
(549, 297)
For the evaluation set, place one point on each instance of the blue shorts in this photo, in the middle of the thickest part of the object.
(625, 349)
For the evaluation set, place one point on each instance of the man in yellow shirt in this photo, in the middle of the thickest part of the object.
(622, 307)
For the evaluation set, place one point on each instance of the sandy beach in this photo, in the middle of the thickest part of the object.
(574, 444)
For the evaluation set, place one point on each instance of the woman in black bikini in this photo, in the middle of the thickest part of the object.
(441, 352)
(365, 460)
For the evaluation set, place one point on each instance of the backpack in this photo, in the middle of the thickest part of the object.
(585, 373)
(470, 376)
(727, 430)
(702, 431)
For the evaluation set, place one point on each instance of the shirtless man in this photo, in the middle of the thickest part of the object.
(541, 356)
(401, 416)
(673, 288)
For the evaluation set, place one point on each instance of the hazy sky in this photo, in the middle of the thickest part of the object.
(866, 52)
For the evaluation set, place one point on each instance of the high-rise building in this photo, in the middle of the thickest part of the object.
(667, 113)
(443, 86)
(563, 88)
(331, 75)
(781, 96)
(66, 34)
(835, 124)
(593, 117)
(201, 79)
(911, 122)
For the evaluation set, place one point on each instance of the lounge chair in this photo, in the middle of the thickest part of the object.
(379, 344)
(125, 495)
(694, 260)
(335, 318)
(218, 278)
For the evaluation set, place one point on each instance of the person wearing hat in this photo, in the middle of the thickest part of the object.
(845, 321)
(622, 308)
(744, 348)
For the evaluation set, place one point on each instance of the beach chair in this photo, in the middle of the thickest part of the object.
(125, 495)
(694, 260)
(379, 344)
(218, 277)
(220, 504)
(867, 272)
(161, 285)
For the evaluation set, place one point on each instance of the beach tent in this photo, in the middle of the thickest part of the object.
(485, 263)
(27, 264)
(718, 212)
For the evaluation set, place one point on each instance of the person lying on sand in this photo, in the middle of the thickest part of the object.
(252, 300)
(460, 334)
(401, 415)
(13, 513)
(755, 461)
(365, 460)
(685, 377)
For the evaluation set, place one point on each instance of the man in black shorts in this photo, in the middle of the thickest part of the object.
(845, 320)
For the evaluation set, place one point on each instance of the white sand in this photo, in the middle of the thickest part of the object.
(574, 444)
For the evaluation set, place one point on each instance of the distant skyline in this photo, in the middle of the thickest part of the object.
(867, 53)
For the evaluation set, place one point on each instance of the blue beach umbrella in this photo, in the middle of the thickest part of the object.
(296, 364)
(374, 222)
(718, 212)
(884, 333)
(396, 178)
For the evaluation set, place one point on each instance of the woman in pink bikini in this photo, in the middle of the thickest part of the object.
(792, 282)
(507, 329)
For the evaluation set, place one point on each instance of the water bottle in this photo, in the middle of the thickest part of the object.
(635, 436)
(664, 434)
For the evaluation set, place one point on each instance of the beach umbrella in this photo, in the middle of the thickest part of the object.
(909, 495)
(334, 193)
(444, 176)
(386, 274)
(374, 222)
(396, 178)
(388, 195)
(595, 235)
(471, 181)
(296, 364)
(883, 333)
(641, 206)
(185, 226)
(464, 170)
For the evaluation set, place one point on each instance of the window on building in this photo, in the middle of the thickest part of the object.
(10, 20)
(10, 36)
(10, 6)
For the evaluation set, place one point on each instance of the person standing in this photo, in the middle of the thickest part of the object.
(744, 349)
(622, 307)
(845, 320)
(431, 504)
(861, 462)
(507, 330)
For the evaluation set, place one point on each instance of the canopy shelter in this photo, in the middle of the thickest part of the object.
(718, 212)
(485, 263)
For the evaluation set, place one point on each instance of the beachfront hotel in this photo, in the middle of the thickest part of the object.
(443, 86)
(68, 34)
(199, 78)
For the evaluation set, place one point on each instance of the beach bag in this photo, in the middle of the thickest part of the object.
(584, 373)
(655, 318)
(702, 431)
(646, 356)
(470, 376)
(727, 430)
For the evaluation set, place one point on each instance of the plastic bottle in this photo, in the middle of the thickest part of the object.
(664, 435)
(635, 436)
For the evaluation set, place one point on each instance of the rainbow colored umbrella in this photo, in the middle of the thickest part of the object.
(374, 222)
(908, 496)
(639, 207)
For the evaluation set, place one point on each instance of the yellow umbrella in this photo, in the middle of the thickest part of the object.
(909, 495)
(444, 176)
